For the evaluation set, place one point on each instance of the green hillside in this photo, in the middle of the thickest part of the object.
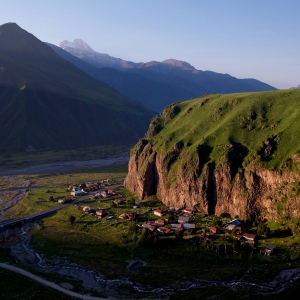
(239, 128)
(46, 102)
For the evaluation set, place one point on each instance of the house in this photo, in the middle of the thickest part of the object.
(249, 236)
(122, 216)
(160, 222)
(214, 229)
(101, 213)
(239, 230)
(168, 217)
(232, 224)
(137, 205)
(105, 194)
(86, 208)
(163, 230)
(91, 211)
(235, 222)
(119, 202)
(112, 192)
(238, 236)
(152, 228)
(182, 219)
(188, 226)
(176, 226)
(146, 225)
(188, 211)
(77, 193)
(269, 250)
(130, 216)
(61, 201)
(158, 212)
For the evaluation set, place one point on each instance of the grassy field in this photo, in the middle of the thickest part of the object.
(248, 122)
(56, 186)
(16, 160)
(37, 200)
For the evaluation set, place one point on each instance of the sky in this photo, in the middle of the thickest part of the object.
(244, 38)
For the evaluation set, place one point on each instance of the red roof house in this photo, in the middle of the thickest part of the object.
(249, 236)
(101, 213)
(158, 212)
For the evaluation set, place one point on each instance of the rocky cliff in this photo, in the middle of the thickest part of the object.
(242, 179)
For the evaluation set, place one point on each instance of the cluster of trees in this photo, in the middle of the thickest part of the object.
(140, 238)
(263, 229)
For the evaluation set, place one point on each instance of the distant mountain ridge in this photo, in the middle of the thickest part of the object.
(157, 84)
(298, 87)
(48, 103)
(83, 51)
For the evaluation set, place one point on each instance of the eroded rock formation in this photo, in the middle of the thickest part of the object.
(214, 189)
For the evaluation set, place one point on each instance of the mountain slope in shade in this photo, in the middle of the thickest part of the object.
(47, 102)
(170, 80)
(155, 95)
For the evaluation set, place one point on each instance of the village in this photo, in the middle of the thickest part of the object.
(216, 233)
(223, 235)
(143, 235)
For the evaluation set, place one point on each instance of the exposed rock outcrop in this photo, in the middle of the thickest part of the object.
(216, 189)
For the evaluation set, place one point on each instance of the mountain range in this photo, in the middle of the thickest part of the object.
(48, 103)
(154, 84)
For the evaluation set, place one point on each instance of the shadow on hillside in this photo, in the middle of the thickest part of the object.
(203, 152)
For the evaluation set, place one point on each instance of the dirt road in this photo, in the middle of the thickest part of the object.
(48, 283)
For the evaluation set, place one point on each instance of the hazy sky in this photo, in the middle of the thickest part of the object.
(244, 38)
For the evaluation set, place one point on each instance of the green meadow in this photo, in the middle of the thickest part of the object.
(210, 125)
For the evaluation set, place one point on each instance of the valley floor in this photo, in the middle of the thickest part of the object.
(69, 166)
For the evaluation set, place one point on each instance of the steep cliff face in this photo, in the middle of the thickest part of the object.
(253, 190)
(239, 181)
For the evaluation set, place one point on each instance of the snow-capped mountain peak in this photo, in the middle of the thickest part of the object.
(77, 44)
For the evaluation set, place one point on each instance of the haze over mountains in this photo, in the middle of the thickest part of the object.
(156, 84)
(48, 103)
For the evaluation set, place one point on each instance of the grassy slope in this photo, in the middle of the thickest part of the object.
(47, 101)
(215, 121)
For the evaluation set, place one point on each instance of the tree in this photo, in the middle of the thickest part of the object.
(51, 199)
(236, 245)
(263, 229)
(216, 221)
(130, 202)
(72, 219)
(133, 228)
(179, 233)
(143, 238)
